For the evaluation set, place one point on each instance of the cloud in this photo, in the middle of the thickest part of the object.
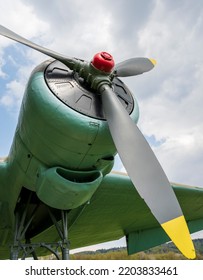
(74, 28)
(2, 73)
(79, 29)
(18, 16)
(170, 104)
(13, 96)
(16, 70)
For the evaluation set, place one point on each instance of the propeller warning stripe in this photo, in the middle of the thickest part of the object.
(178, 231)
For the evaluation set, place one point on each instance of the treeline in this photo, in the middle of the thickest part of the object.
(164, 252)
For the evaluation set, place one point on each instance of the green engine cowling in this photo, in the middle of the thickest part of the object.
(66, 189)
(62, 144)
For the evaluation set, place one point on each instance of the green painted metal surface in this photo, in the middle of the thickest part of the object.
(116, 210)
(66, 189)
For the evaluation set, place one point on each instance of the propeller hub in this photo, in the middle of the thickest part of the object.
(103, 61)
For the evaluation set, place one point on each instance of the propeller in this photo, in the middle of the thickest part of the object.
(70, 62)
(138, 158)
(130, 67)
(134, 66)
(145, 172)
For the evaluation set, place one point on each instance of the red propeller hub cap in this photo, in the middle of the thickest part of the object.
(103, 61)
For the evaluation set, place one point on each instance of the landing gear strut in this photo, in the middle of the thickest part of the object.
(63, 232)
(22, 246)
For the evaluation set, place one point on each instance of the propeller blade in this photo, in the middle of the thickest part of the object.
(134, 66)
(70, 62)
(145, 172)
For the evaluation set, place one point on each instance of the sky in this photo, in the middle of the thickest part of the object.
(170, 97)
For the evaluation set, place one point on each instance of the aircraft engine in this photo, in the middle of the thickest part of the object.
(62, 130)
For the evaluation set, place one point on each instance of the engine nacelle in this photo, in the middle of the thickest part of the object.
(62, 135)
(62, 122)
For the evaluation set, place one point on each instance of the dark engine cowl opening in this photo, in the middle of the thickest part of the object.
(75, 93)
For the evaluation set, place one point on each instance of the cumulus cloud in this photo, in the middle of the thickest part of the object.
(171, 104)
(2, 73)
(13, 96)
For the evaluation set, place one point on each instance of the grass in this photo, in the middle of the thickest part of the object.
(163, 252)
(122, 255)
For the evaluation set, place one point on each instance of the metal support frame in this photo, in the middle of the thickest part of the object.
(22, 246)
(62, 230)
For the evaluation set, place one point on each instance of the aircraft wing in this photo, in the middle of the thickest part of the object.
(117, 210)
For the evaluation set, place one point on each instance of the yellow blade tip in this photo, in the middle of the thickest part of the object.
(153, 61)
(178, 231)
